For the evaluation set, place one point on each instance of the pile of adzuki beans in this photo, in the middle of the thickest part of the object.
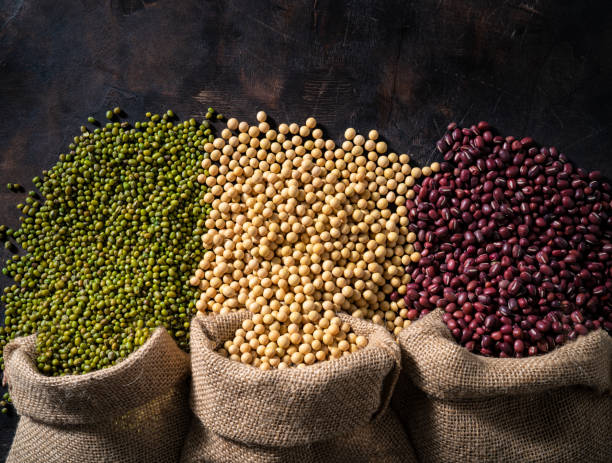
(516, 245)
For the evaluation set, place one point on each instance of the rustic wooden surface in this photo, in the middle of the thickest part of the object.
(540, 68)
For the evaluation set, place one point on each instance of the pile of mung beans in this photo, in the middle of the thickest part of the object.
(110, 239)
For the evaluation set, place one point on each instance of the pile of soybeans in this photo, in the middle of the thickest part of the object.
(301, 229)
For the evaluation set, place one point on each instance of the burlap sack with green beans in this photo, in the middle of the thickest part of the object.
(334, 411)
(458, 406)
(135, 411)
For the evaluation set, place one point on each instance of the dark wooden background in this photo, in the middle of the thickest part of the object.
(540, 68)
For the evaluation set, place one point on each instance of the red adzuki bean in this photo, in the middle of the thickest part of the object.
(516, 245)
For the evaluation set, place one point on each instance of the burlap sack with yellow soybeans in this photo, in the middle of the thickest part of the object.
(458, 406)
(135, 411)
(334, 411)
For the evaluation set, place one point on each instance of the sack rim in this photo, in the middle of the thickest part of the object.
(33, 383)
(221, 421)
(560, 367)
(300, 372)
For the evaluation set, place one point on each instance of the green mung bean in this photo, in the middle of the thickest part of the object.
(110, 248)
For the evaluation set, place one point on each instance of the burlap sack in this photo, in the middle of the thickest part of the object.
(334, 411)
(458, 406)
(135, 411)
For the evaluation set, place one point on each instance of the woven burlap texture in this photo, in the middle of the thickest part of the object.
(458, 406)
(135, 411)
(332, 411)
